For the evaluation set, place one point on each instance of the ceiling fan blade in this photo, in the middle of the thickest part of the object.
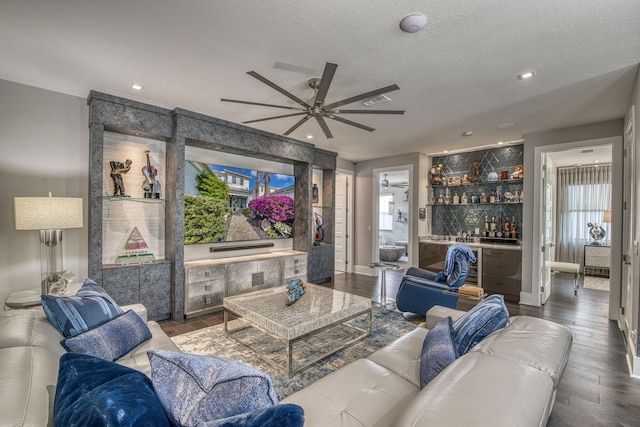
(278, 88)
(368, 111)
(297, 125)
(275, 117)
(259, 103)
(349, 122)
(325, 82)
(323, 126)
(362, 96)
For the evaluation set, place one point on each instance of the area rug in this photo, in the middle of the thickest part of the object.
(599, 283)
(211, 341)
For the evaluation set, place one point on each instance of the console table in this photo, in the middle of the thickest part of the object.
(597, 260)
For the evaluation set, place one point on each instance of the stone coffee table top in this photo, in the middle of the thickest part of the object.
(317, 308)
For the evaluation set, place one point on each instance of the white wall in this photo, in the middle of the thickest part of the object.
(44, 141)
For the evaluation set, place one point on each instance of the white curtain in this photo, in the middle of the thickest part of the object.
(584, 194)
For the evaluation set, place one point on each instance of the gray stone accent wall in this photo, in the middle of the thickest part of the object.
(160, 285)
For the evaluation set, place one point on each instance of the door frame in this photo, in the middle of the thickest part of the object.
(413, 220)
(349, 249)
(616, 143)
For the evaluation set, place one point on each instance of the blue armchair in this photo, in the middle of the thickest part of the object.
(422, 289)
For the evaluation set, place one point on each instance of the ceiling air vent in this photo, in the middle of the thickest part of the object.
(376, 100)
(586, 151)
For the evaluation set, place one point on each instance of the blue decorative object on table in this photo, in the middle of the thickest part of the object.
(295, 289)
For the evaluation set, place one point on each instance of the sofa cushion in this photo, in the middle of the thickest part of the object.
(287, 414)
(195, 389)
(90, 307)
(111, 340)
(402, 356)
(96, 392)
(362, 393)
(482, 391)
(438, 350)
(482, 320)
(538, 343)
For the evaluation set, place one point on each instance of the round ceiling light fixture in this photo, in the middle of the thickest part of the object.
(413, 23)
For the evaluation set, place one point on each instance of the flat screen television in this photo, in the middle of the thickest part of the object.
(231, 198)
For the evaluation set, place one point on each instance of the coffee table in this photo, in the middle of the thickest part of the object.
(317, 310)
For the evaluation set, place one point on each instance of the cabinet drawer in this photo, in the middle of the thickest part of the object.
(204, 273)
(252, 276)
(295, 267)
(204, 288)
(201, 302)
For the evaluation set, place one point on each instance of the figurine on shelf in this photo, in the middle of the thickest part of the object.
(463, 199)
(456, 199)
(117, 170)
(314, 194)
(518, 172)
(465, 179)
(436, 174)
(483, 198)
(151, 184)
(476, 172)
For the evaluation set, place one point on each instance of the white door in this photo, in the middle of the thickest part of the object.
(546, 225)
(628, 232)
(341, 212)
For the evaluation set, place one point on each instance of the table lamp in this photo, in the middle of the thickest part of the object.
(50, 215)
(606, 217)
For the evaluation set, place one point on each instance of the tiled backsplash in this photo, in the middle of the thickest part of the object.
(450, 219)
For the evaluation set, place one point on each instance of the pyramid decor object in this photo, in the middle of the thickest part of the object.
(135, 250)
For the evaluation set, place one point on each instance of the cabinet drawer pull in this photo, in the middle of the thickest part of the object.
(207, 287)
(207, 273)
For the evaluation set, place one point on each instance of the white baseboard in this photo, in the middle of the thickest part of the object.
(364, 269)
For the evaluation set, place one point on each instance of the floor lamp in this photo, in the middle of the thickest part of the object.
(49, 215)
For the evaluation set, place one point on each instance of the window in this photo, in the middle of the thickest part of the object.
(233, 179)
(385, 219)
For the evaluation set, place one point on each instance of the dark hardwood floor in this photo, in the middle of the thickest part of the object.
(596, 389)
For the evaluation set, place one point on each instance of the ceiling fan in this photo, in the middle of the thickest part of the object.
(316, 107)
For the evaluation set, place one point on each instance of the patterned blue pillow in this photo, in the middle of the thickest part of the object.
(195, 389)
(286, 414)
(91, 306)
(111, 340)
(438, 350)
(96, 392)
(483, 319)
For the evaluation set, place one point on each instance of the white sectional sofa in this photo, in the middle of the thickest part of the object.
(508, 379)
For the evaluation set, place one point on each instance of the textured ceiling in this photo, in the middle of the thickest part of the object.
(458, 74)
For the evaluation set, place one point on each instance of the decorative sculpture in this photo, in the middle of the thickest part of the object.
(319, 234)
(597, 233)
(295, 289)
(117, 170)
(476, 172)
(151, 184)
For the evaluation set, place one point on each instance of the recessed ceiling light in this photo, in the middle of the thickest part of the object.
(309, 136)
(445, 151)
(500, 142)
(136, 86)
(526, 75)
(413, 23)
(468, 133)
(596, 161)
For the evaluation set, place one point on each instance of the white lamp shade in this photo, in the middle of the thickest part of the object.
(606, 218)
(47, 213)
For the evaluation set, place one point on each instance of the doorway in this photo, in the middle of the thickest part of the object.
(563, 232)
(392, 237)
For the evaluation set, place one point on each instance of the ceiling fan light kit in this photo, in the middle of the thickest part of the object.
(316, 107)
(413, 23)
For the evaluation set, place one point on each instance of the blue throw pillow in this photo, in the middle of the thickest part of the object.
(195, 389)
(94, 392)
(286, 414)
(483, 319)
(438, 350)
(91, 306)
(111, 340)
